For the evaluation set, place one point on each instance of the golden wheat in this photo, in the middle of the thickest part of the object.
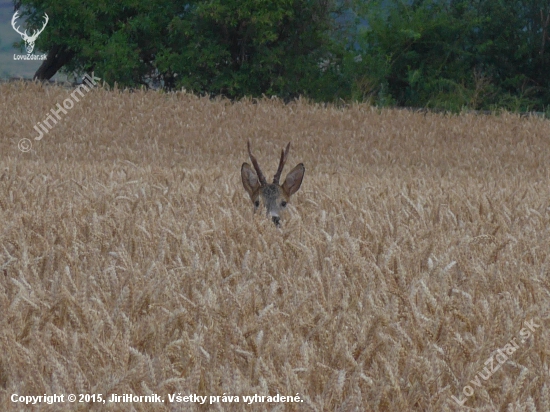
(131, 263)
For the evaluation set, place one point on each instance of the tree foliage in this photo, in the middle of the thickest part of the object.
(453, 54)
(449, 54)
(227, 47)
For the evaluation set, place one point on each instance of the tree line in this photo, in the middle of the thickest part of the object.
(439, 54)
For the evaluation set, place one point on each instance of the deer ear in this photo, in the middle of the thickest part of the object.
(293, 180)
(250, 179)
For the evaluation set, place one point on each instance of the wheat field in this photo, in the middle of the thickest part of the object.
(414, 257)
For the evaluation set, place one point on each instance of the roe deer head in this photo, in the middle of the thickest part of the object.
(273, 196)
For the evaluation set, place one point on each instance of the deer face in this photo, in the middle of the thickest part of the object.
(274, 197)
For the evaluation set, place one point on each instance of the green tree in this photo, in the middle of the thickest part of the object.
(452, 54)
(229, 47)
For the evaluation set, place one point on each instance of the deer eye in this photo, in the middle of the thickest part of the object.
(283, 203)
(257, 203)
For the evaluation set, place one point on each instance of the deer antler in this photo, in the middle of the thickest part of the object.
(284, 155)
(29, 40)
(261, 176)
(15, 16)
(35, 33)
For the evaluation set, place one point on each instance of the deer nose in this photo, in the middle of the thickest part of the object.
(276, 220)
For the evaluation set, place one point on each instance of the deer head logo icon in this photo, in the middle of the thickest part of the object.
(29, 40)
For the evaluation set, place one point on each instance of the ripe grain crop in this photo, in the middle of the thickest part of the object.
(131, 261)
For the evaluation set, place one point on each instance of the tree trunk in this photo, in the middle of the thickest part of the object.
(57, 57)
